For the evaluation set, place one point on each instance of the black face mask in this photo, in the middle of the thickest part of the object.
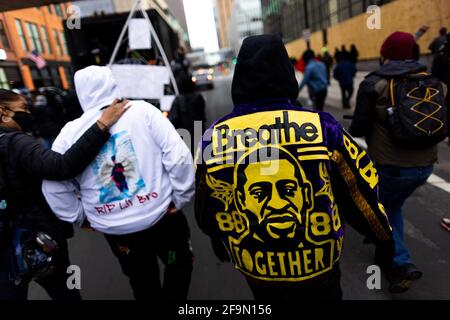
(24, 120)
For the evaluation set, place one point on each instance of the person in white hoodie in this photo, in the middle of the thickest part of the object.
(133, 191)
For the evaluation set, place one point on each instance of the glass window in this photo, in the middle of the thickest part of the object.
(58, 10)
(44, 33)
(23, 41)
(357, 7)
(64, 43)
(58, 42)
(344, 10)
(69, 76)
(3, 36)
(56, 77)
(33, 35)
(46, 78)
(3, 80)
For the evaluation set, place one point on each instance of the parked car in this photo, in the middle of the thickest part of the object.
(203, 76)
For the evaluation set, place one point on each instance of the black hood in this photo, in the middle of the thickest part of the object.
(400, 68)
(263, 71)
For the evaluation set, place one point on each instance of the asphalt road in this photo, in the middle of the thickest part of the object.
(429, 243)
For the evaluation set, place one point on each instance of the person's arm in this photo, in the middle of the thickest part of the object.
(62, 199)
(205, 219)
(354, 181)
(38, 161)
(176, 158)
(306, 78)
(364, 114)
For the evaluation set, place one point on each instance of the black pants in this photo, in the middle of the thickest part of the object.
(55, 285)
(319, 99)
(326, 287)
(346, 92)
(138, 255)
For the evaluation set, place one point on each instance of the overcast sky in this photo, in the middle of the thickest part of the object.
(201, 24)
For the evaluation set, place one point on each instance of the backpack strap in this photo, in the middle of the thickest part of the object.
(391, 92)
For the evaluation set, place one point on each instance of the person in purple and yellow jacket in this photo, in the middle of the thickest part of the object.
(276, 183)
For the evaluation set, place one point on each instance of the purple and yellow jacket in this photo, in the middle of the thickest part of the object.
(276, 183)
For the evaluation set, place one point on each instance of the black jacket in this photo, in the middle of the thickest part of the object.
(26, 163)
(370, 118)
(263, 72)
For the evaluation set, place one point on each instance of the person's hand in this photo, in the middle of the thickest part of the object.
(172, 210)
(113, 113)
(86, 226)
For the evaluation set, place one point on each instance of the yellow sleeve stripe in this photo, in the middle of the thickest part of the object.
(359, 199)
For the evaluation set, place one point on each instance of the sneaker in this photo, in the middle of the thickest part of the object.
(402, 277)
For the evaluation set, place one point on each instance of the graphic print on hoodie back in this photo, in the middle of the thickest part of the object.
(117, 171)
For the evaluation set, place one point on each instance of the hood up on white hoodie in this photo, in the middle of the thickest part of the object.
(144, 166)
(96, 87)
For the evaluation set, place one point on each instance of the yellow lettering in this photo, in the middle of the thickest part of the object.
(307, 261)
(319, 258)
(271, 264)
(281, 259)
(320, 223)
(294, 263)
(224, 221)
(336, 218)
(237, 256)
(247, 259)
(369, 173)
(238, 222)
(260, 268)
(351, 148)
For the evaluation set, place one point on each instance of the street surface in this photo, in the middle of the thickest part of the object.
(429, 243)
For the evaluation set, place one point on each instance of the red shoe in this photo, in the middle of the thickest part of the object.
(445, 223)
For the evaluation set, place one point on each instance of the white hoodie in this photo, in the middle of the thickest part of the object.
(143, 167)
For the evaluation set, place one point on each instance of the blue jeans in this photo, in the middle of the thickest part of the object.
(396, 185)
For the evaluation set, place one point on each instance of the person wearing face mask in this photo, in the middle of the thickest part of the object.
(24, 163)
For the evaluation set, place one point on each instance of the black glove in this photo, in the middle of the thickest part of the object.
(219, 250)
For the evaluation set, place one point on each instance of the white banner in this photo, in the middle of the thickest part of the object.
(139, 34)
(141, 81)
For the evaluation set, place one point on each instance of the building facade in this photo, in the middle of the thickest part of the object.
(246, 20)
(26, 30)
(223, 11)
(334, 23)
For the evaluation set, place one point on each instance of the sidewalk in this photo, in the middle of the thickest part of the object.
(334, 92)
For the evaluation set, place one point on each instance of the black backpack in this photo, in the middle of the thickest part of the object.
(416, 114)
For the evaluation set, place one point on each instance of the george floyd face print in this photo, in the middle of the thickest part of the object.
(274, 202)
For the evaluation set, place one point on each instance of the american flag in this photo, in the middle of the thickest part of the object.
(37, 58)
